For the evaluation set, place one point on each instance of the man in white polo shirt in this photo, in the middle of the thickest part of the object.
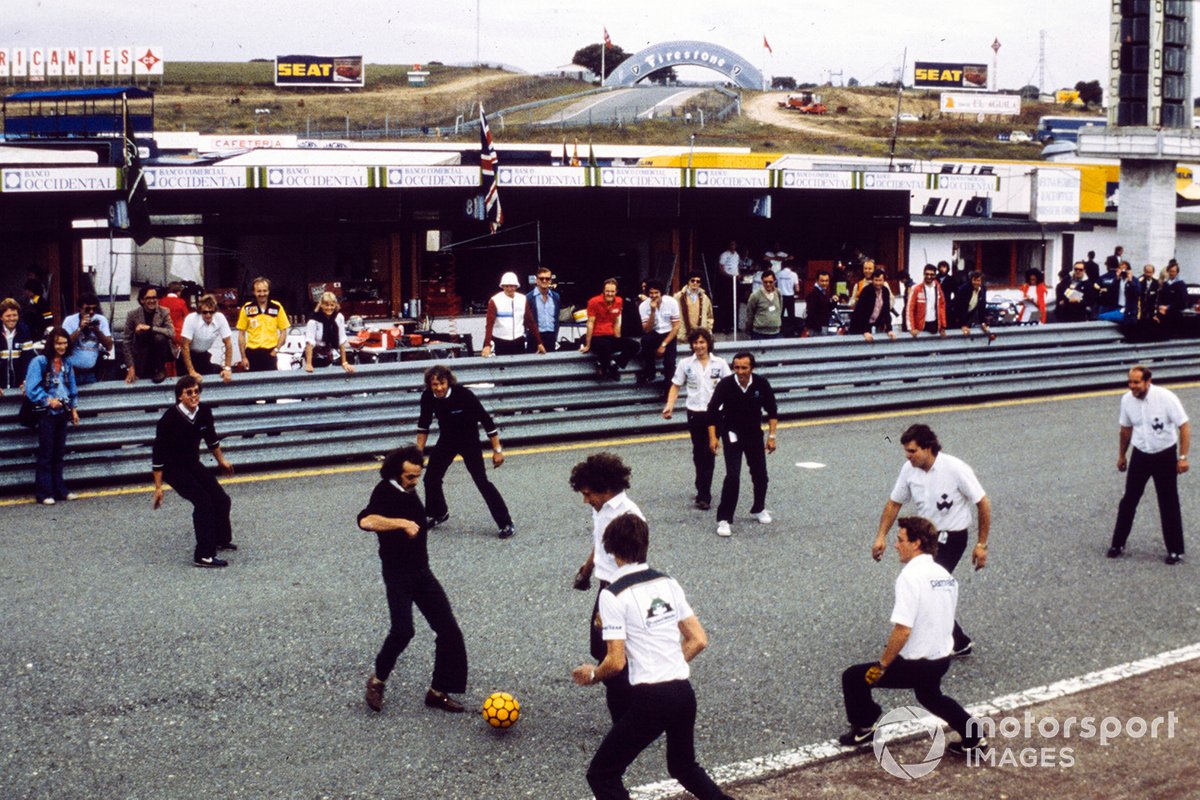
(660, 332)
(602, 479)
(700, 372)
(650, 631)
(1154, 422)
(917, 653)
(942, 487)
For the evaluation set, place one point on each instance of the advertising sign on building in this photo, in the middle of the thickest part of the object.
(943, 75)
(342, 71)
(979, 103)
(1055, 195)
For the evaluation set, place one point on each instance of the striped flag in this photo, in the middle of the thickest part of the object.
(487, 164)
(767, 45)
(607, 41)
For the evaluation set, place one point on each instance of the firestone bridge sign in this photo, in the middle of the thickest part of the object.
(686, 53)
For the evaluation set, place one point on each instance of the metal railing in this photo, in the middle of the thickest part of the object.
(329, 416)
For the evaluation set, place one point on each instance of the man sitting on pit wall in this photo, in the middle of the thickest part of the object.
(148, 337)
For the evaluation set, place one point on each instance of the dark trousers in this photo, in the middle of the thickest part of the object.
(202, 363)
(750, 444)
(549, 341)
(151, 353)
(649, 355)
(404, 589)
(472, 456)
(923, 676)
(702, 454)
(657, 708)
(610, 350)
(210, 506)
(616, 688)
(1161, 467)
(509, 347)
(52, 446)
(949, 553)
(261, 359)
(789, 315)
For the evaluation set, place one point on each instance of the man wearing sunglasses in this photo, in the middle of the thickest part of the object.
(176, 457)
(91, 338)
(546, 304)
(149, 334)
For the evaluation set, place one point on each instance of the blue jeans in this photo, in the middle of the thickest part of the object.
(52, 444)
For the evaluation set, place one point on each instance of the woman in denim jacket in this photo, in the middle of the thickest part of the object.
(50, 386)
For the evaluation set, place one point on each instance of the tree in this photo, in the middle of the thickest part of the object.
(785, 82)
(852, 82)
(1029, 92)
(663, 77)
(590, 57)
(1089, 93)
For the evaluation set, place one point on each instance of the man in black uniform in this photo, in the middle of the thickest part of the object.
(459, 413)
(396, 515)
(735, 414)
(649, 627)
(176, 458)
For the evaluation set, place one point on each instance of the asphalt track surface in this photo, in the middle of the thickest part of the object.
(624, 105)
(129, 674)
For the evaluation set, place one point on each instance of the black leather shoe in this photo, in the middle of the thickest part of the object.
(1115, 552)
(1173, 558)
(439, 700)
(210, 563)
(703, 505)
(507, 531)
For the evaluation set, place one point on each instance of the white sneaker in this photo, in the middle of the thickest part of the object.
(71, 496)
(764, 517)
(723, 529)
(49, 501)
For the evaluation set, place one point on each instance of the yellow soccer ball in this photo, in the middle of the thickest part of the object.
(501, 710)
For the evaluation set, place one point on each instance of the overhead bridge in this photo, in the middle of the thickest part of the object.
(330, 417)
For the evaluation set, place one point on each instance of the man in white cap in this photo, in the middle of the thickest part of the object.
(509, 318)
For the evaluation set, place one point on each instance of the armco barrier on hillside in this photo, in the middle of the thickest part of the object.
(333, 417)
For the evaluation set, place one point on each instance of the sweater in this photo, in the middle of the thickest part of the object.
(742, 411)
(399, 552)
(177, 439)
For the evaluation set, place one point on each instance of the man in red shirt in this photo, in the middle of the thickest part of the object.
(603, 338)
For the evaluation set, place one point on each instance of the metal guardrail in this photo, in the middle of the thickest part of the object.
(330, 417)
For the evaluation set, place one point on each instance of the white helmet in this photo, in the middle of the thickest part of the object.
(509, 279)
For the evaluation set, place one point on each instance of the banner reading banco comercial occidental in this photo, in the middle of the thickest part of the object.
(342, 71)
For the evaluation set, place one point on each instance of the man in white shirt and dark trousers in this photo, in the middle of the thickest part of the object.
(1153, 420)
(700, 372)
(917, 653)
(651, 631)
(941, 486)
(602, 479)
(660, 332)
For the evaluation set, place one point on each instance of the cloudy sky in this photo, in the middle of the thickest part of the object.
(865, 39)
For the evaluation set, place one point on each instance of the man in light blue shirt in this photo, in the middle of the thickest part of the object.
(546, 306)
(91, 338)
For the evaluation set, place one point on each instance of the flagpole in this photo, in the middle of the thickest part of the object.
(602, 54)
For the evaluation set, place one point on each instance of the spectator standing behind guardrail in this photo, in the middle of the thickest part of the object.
(1146, 317)
(547, 304)
(1075, 296)
(925, 310)
(91, 337)
(695, 306)
(50, 386)
(603, 335)
(660, 338)
(1172, 299)
(203, 330)
(1116, 287)
(873, 312)
(1154, 422)
(37, 314)
(868, 272)
(700, 372)
(148, 337)
(325, 336)
(16, 346)
(735, 415)
(509, 321)
(176, 459)
(764, 310)
(819, 307)
(262, 329)
(459, 415)
(970, 306)
(176, 306)
(1033, 299)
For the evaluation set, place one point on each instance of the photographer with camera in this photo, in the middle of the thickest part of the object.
(91, 339)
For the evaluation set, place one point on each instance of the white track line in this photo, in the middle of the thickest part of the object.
(667, 102)
(588, 107)
(821, 751)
